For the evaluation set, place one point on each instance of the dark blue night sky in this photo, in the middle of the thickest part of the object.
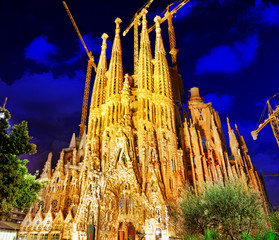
(227, 48)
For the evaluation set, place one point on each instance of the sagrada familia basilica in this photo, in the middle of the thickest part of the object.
(140, 148)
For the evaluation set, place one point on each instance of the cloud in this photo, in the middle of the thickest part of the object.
(186, 10)
(42, 93)
(270, 15)
(222, 1)
(93, 44)
(41, 51)
(229, 59)
(183, 12)
(264, 13)
(261, 103)
(222, 103)
(151, 15)
(52, 106)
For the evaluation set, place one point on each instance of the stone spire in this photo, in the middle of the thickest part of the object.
(145, 58)
(60, 165)
(115, 72)
(98, 89)
(46, 173)
(73, 141)
(244, 150)
(234, 145)
(162, 79)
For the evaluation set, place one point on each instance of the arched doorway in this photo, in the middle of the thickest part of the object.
(131, 232)
(121, 233)
(126, 233)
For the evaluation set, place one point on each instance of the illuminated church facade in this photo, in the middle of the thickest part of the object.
(140, 148)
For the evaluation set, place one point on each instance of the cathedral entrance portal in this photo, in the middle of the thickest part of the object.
(131, 232)
(127, 232)
(121, 233)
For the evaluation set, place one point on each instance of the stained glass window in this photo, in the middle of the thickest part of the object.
(130, 204)
(122, 204)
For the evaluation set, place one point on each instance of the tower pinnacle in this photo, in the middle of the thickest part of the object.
(115, 72)
(98, 89)
(157, 20)
(162, 80)
(145, 58)
(117, 29)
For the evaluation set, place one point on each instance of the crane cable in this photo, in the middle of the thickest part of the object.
(274, 95)
(146, 5)
(262, 116)
(175, 2)
(263, 112)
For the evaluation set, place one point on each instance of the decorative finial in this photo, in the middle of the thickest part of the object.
(117, 22)
(104, 43)
(157, 20)
(104, 36)
(144, 22)
(144, 12)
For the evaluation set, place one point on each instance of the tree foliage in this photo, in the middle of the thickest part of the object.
(231, 208)
(18, 188)
(274, 221)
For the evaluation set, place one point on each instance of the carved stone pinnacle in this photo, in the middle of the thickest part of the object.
(117, 21)
(104, 36)
(144, 12)
(157, 19)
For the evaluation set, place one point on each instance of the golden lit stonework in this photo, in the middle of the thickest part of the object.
(139, 150)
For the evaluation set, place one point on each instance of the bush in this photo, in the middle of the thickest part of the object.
(232, 208)
(274, 221)
(267, 235)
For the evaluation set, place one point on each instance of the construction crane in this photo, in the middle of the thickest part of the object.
(273, 119)
(168, 16)
(91, 64)
(272, 175)
(136, 22)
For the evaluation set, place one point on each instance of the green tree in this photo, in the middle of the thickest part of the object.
(232, 208)
(274, 221)
(18, 188)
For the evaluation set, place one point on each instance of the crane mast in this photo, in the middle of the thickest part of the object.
(273, 119)
(274, 115)
(172, 12)
(136, 43)
(172, 39)
(272, 175)
(168, 16)
(135, 23)
(85, 96)
(91, 64)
